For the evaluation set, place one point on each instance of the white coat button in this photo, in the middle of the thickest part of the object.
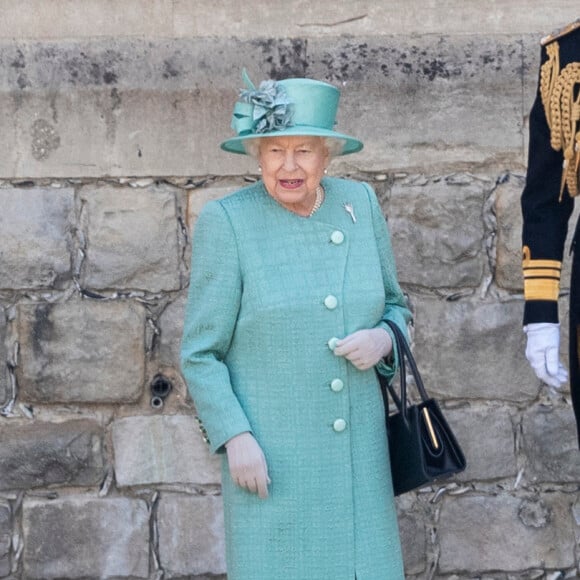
(332, 343)
(331, 302)
(337, 237)
(337, 385)
(339, 425)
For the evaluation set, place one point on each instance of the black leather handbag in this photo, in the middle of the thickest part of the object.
(422, 446)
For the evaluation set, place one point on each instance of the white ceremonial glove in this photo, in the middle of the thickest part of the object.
(365, 348)
(247, 464)
(543, 353)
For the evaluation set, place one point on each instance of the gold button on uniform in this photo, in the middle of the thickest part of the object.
(337, 237)
(337, 385)
(339, 425)
(331, 302)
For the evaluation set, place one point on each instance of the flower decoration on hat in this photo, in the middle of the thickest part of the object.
(262, 110)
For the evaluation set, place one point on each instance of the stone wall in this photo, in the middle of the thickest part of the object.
(110, 117)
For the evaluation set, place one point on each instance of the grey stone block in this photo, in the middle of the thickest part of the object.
(551, 446)
(426, 101)
(4, 393)
(35, 237)
(66, 19)
(165, 18)
(81, 537)
(508, 213)
(81, 351)
(473, 350)
(366, 17)
(419, 102)
(162, 450)
(132, 239)
(484, 533)
(437, 231)
(171, 325)
(487, 438)
(43, 454)
(150, 108)
(413, 541)
(5, 538)
(191, 535)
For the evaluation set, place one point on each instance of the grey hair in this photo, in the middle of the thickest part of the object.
(334, 145)
(252, 147)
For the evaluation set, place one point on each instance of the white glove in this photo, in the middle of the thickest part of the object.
(543, 353)
(247, 464)
(365, 348)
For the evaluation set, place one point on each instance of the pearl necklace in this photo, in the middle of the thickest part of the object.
(318, 201)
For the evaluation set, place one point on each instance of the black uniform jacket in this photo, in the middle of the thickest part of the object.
(552, 178)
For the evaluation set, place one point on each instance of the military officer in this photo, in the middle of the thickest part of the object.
(547, 202)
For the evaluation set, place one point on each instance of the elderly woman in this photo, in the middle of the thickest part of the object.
(292, 280)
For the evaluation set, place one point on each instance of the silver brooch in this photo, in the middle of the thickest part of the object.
(350, 211)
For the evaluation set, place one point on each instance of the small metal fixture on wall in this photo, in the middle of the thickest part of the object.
(160, 388)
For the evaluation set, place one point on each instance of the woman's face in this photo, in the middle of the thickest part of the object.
(292, 168)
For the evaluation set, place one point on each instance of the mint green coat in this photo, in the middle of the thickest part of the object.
(268, 290)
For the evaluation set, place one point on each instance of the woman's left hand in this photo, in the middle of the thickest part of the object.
(365, 348)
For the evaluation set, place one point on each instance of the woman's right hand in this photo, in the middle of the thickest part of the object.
(247, 464)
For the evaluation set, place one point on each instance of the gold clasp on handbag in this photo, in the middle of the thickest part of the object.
(430, 429)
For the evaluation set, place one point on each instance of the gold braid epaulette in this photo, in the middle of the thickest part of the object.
(562, 108)
(548, 77)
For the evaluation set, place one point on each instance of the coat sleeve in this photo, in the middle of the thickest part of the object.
(545, 220)
(210, 318)
(395, 304)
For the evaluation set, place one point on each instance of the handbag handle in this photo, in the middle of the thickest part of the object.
(405, 355)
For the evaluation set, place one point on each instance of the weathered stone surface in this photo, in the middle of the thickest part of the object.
(413, 541)
(3, 359)
(35, 237)
(132, 239)
(509, 234)
(197, 198)
(437, 231)
(82, 350)
(473, 349)
(5, 538)
(417, 101)
(78, 537)
(364, 17)
(191, 535)
(109, 87)
(69, 19)
(483, 533)
(162, 449)
(42, 454)
(171, 324)
(564, 314)
(165, 18)
(550, 444)
(509, 237)
(488, 441)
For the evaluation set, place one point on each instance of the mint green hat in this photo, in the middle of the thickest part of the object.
(287, 107)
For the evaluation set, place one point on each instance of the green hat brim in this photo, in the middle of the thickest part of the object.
(236, 144)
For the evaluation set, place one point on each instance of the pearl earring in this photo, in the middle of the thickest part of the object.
(259, 169)
(325, 171)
